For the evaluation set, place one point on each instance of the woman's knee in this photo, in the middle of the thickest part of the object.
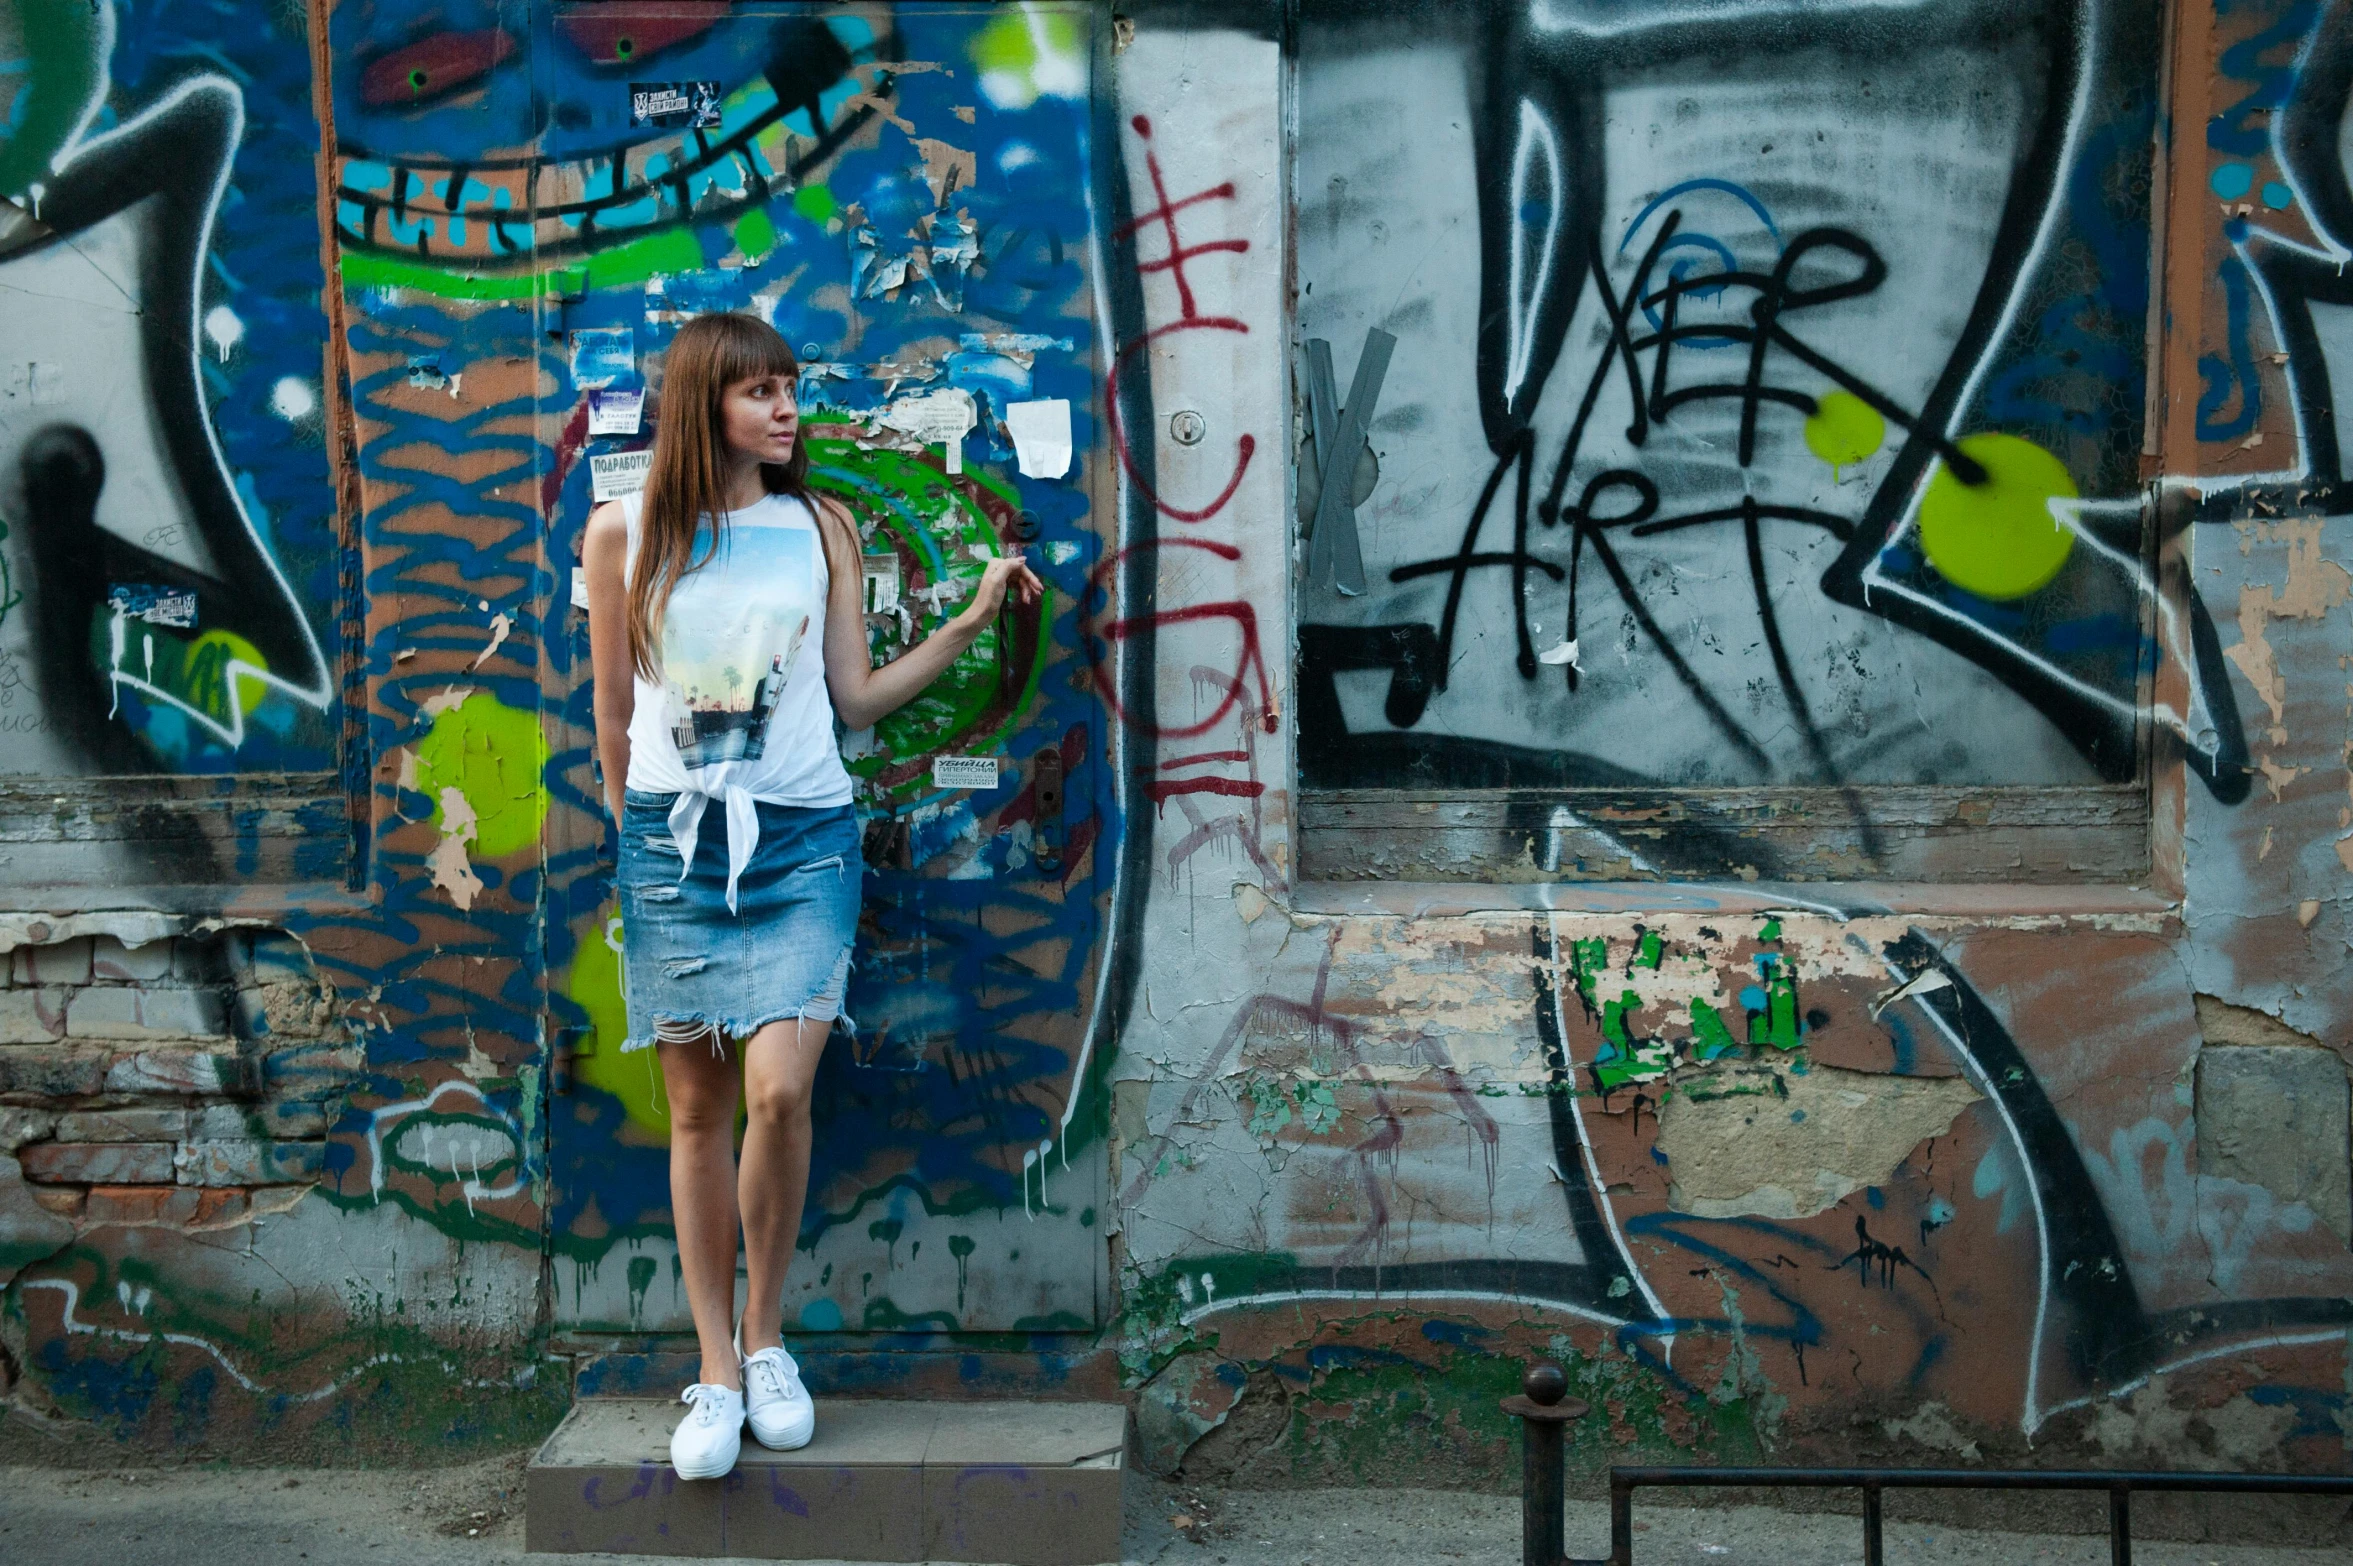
(776, 1098)
(701, 1093)
(702, 1112)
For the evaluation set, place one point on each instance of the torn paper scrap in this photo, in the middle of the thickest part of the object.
(1566, 653)
(938, 418)
(1041, 436)
(602, 355)
(880, 576)
(618, 473)
(955, 248)
(612, 411)
(1927, 981)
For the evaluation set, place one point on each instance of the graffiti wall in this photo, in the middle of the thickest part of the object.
(1690, 716)
(1615, 583)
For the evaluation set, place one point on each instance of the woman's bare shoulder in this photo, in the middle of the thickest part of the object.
(834, 521)
(607, 528)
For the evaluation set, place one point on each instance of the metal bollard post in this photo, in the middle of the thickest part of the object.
(1542, 1409)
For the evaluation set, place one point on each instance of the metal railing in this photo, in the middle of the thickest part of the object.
(1545, 1414)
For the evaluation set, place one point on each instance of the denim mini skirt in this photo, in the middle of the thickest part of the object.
(688, 964)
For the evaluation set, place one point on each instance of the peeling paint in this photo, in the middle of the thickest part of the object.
(1800, 1145)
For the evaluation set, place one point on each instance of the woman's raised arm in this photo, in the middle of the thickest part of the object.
(863, 693)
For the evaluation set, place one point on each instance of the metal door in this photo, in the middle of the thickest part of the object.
(907, 194)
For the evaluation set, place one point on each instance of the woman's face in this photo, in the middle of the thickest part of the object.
(761, 418)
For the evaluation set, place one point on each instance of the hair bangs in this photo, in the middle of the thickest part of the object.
(748, 349)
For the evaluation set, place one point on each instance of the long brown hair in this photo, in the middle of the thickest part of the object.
(688, 480)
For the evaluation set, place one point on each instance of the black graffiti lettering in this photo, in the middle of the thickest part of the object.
(1629, 501)
(1869, 1253)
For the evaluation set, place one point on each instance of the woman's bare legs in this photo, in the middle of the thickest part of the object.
(780, 1063)
(702, 1082)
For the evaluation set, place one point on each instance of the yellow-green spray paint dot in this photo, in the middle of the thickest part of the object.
(1998, 539)
(205, 673)
(815, 202)
(636, 1078)
(496, 756)
(1027, 53)
(1844, 429)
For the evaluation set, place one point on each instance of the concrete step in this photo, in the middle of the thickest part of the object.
(1013, 1484)
(1085, 1370)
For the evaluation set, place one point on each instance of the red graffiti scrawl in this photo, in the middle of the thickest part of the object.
(1235, 687)
(1189, 319)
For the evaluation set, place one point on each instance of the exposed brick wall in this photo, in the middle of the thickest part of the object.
(173, 1082)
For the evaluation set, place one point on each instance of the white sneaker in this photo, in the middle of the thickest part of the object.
(705, 1444)
(781, 1413)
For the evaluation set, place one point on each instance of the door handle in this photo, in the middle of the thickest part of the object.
(1046, 789)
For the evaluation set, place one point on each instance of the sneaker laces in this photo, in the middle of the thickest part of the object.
(706, 1399)
(778, 1366)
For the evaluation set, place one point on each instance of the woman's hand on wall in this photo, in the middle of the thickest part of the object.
(1006, 573)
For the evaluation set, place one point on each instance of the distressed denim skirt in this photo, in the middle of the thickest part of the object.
(689, 965)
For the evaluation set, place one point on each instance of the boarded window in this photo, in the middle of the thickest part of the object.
(1752, 484)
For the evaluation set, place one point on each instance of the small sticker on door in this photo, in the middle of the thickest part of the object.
(618, 473)
(675, 105)
(964, 771)
(612, 411)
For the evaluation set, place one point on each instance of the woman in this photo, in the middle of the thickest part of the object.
(727, 638)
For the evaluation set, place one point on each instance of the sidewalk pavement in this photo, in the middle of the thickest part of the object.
(472, 1516)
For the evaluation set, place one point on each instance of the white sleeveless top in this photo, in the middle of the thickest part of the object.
(741, 713)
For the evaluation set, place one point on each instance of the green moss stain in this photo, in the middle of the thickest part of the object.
(495, 755)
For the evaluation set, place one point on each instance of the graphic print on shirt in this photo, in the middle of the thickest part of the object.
(730, 638)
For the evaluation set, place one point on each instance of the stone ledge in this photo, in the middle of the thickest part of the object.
(1025, 1484)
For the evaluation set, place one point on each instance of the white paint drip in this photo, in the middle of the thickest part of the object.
(500, 629)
